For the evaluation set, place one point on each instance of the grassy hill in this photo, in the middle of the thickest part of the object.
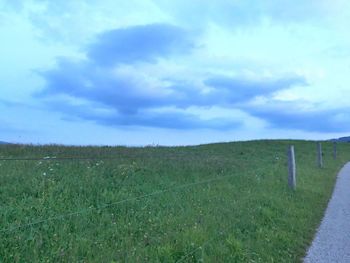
(224, 202)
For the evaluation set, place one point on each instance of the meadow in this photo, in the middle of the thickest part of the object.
(226, 202)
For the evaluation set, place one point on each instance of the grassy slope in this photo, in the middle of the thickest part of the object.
(251, 216)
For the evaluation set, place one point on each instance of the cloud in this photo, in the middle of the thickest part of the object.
(289, 115)
(155, 117)
(234, 90)
(132, 98)
(74, 23)
(139, 44)
(339, 51)
(238, 14)
(172, 120)
(112, 87)
(15, 5)
(126, 92)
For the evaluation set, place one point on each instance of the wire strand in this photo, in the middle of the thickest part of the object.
(137, 198)
(63, 158)
(81, 158)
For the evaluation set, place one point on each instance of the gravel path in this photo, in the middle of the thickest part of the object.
(332, 241)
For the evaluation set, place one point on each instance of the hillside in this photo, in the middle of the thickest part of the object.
(224, 202)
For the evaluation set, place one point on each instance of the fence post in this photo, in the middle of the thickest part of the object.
(335, 150)
(319, 155)
(291, 168)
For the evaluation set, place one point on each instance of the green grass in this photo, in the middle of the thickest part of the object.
(246, 213)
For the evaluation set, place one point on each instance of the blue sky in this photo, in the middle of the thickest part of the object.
(143, 72)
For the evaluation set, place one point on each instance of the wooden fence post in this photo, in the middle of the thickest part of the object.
(291, 168)
(335, 150)
(319, 155)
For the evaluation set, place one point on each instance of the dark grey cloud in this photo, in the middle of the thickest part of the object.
(132, 102)
(234, 90)
(172, 120)
(88, 82)
(139, 43)
(287, 115)
(130, 98)
(146, 118)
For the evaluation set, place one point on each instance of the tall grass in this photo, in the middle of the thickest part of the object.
(224, 202)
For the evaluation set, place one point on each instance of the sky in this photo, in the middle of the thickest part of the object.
(173, 72)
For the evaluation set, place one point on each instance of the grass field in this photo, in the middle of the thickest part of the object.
(224, 202)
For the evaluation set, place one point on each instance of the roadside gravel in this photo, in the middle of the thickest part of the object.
(332, 241)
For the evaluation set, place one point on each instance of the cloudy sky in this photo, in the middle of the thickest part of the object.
(173, 72)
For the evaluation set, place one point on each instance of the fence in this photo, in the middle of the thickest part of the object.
(292, 164)
(139, 198)
(292, 182)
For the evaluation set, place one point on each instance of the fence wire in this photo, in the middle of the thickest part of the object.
(137, 198)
